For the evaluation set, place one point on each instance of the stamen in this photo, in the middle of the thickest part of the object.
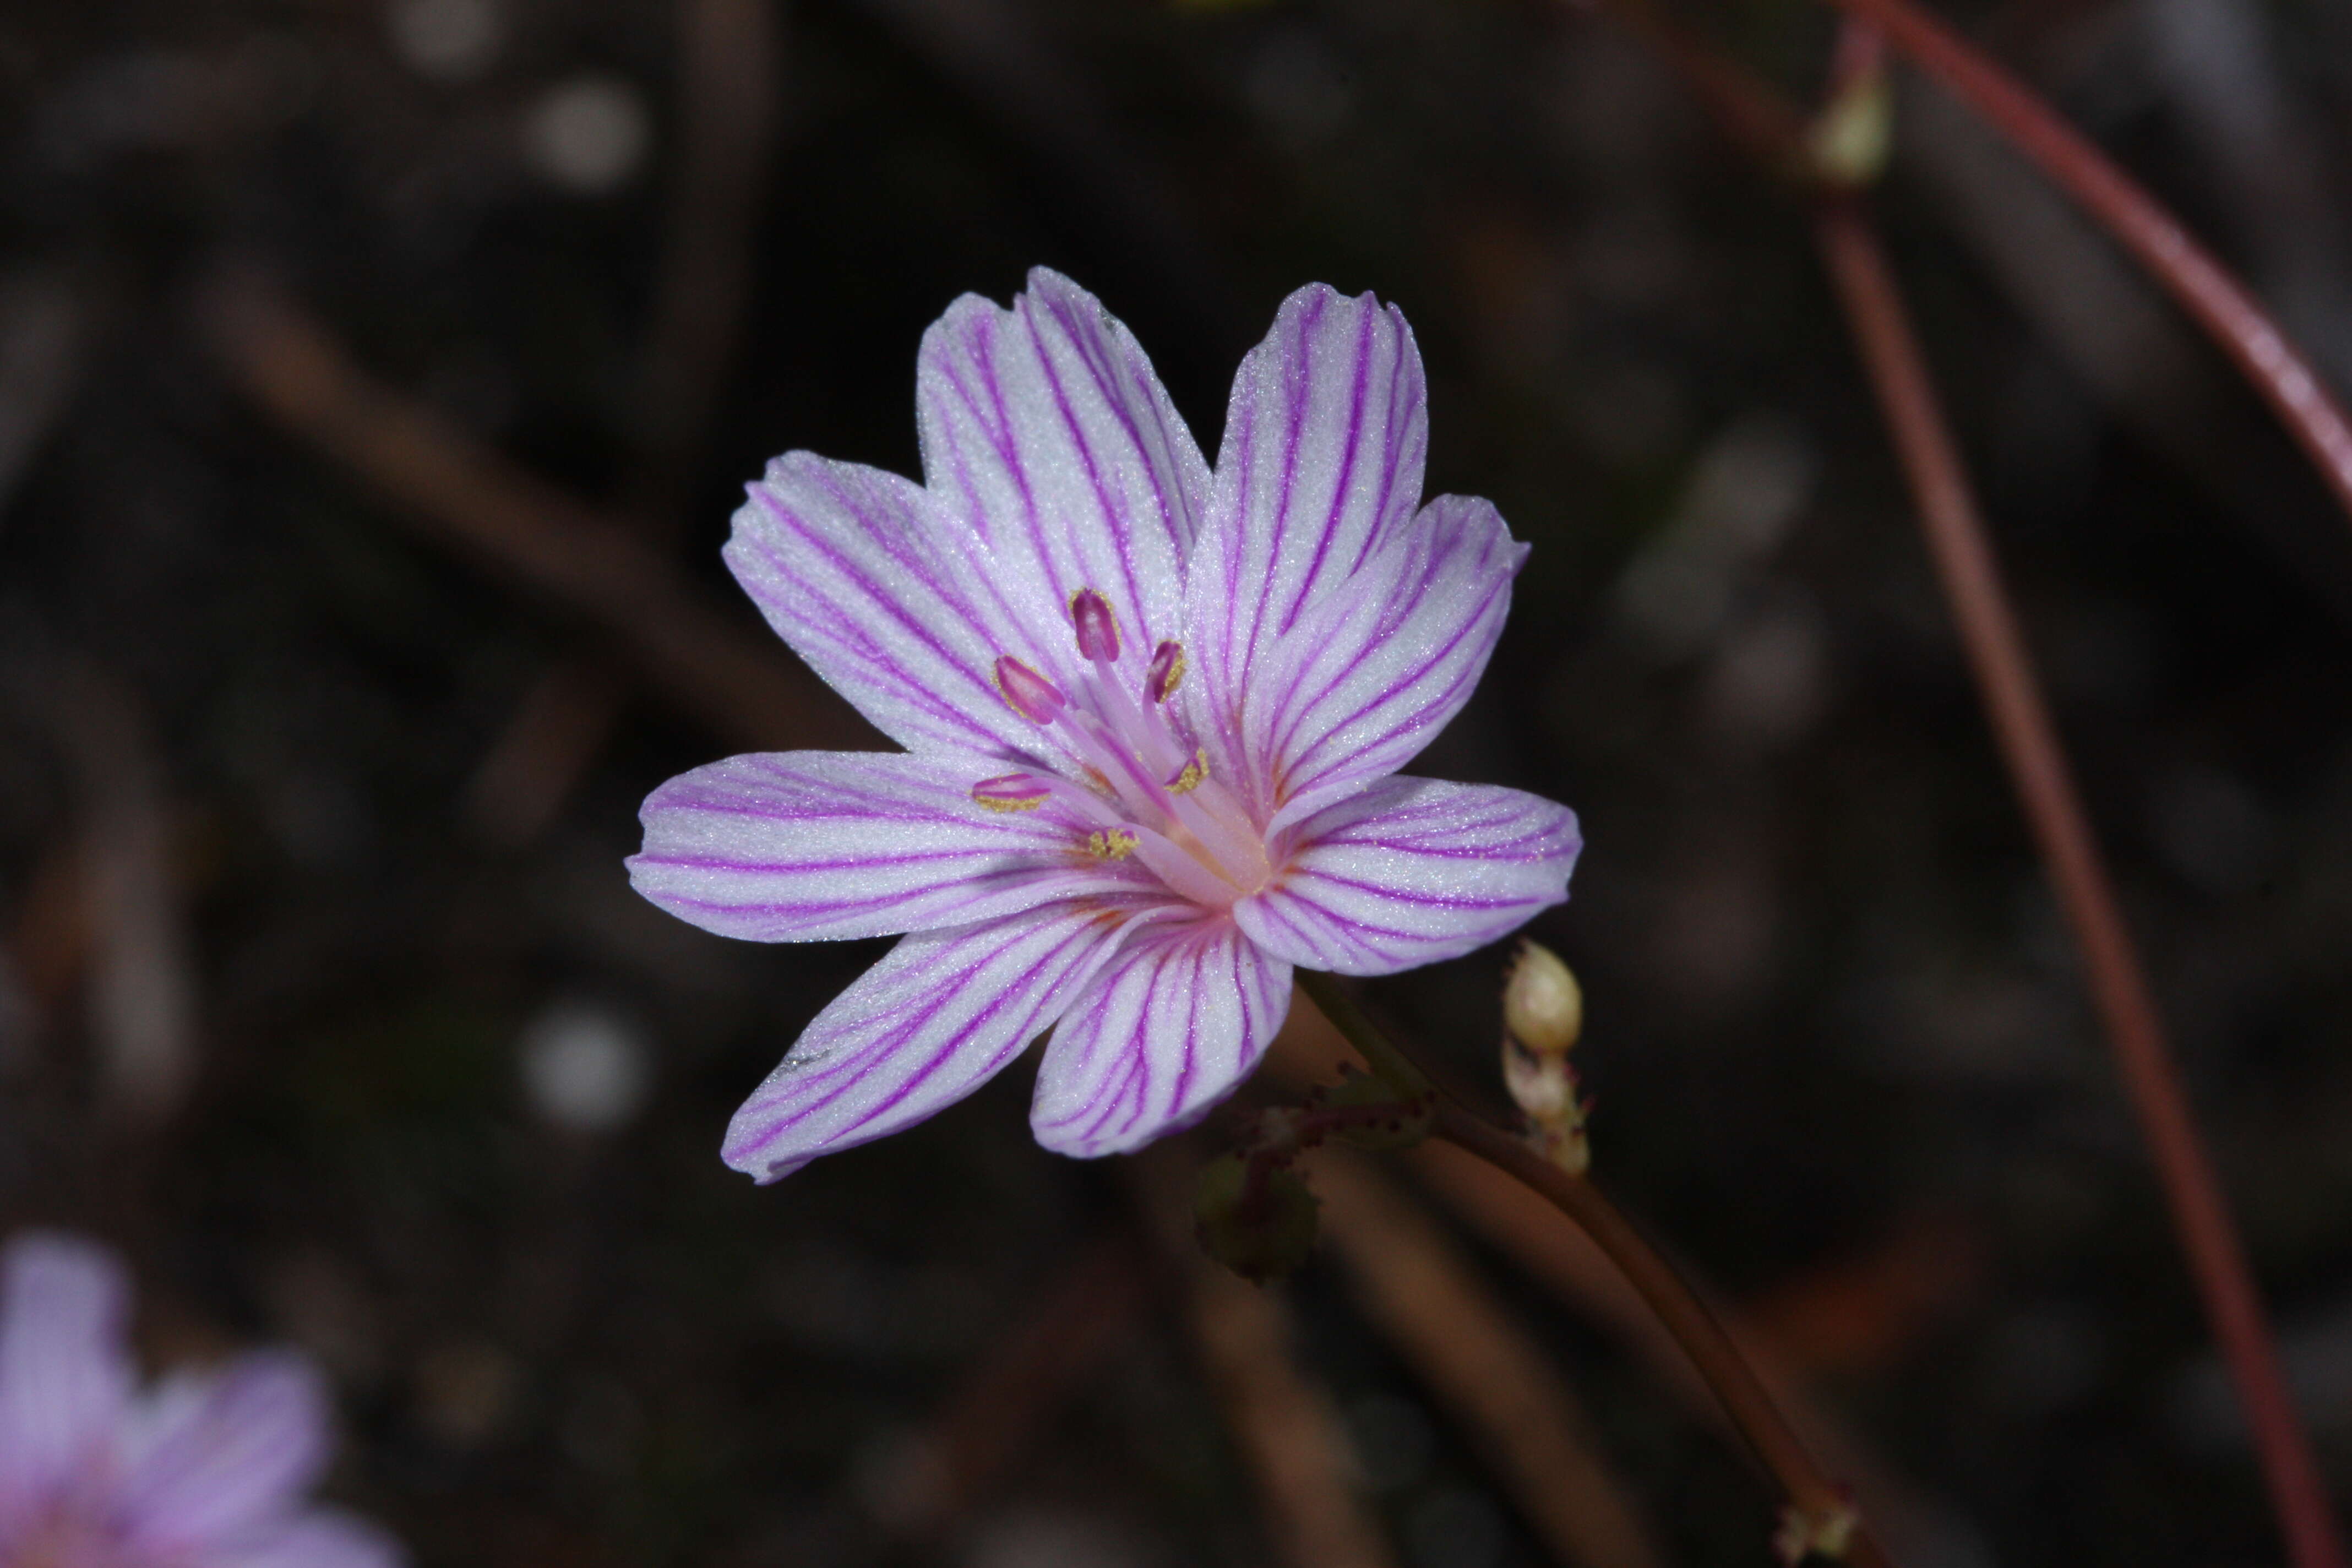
(1026, 692)
(1167, 671)
(1013, 792)
(1194, 772)
(1097, 629)
(1111, 843)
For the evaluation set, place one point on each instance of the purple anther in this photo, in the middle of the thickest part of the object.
(1012, 791)
(1097, 628)
(1026, 692)
(1167, 671)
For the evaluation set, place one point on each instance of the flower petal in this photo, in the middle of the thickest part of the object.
(1322, 458)
(1170, 1028)
(65, 1376)
(938, 1017)
(846, 563)
(226, 1453)
(315, 1538)
(1361, 685)
(1047, 434)
(807, 845)
(1413, 870)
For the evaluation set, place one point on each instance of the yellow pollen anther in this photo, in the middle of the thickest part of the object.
(1167, 671)
(995, 804)
(1189, 779)
(1110, 844)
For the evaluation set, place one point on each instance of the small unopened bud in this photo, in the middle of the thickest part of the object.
(1543, 1006)
(1815, 1533)
(1541, 1086)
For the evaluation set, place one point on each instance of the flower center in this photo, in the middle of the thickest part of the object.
(1147, 792)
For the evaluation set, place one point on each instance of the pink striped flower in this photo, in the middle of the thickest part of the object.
(1152, 713)
(207, 1470)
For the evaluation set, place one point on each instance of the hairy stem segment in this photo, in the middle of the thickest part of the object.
(1881, 325)
(1810, 1493)
(2222, 306)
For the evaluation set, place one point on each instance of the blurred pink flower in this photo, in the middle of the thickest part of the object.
(1153, 714)
(205, 1471)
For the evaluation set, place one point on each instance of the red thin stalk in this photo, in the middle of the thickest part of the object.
(2222, 306)
(2028, 744)
(1677, 1306)
(1736, 1387)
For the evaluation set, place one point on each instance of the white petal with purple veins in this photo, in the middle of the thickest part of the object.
(1047, 433)
(224, 1453)
(940, 1016)
(803, 845)
(65, 1378)
(1413, 870)
(1169, 1028)
(1322, 458)
(1360, 686)
(846, 563)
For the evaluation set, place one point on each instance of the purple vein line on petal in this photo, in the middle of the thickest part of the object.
(1105, 373)
(925, 1007)
(1199, 960)
(888, 604)
(1121, 527)
(1435, 559)
(1125, 920)
(1462, 679)
(1349, 450)
(1010, 452)
(1398, 416)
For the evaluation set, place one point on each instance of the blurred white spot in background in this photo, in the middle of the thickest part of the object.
(1745, 491)
(583, 1067)
(448, 40)
(589, 134)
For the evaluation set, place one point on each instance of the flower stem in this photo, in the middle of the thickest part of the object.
(1881, 325)
(1735, 1385)
(2222, 306)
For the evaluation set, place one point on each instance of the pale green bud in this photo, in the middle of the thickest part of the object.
(1543, 1006)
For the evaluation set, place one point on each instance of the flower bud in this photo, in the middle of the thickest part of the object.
(1543, 1006)
(1541, 1086)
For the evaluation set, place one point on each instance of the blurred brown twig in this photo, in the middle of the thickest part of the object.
(2209, 292)
(1483, 1365)
(2020, 716)
(458, 492)
(1284, 1425)
(727, 114)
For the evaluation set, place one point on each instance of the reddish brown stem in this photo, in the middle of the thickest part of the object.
(1679, 1309)
(1675, 1305)
(1881, 326)
(2222, 306)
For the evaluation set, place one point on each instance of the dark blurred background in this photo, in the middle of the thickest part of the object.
(376, 378)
